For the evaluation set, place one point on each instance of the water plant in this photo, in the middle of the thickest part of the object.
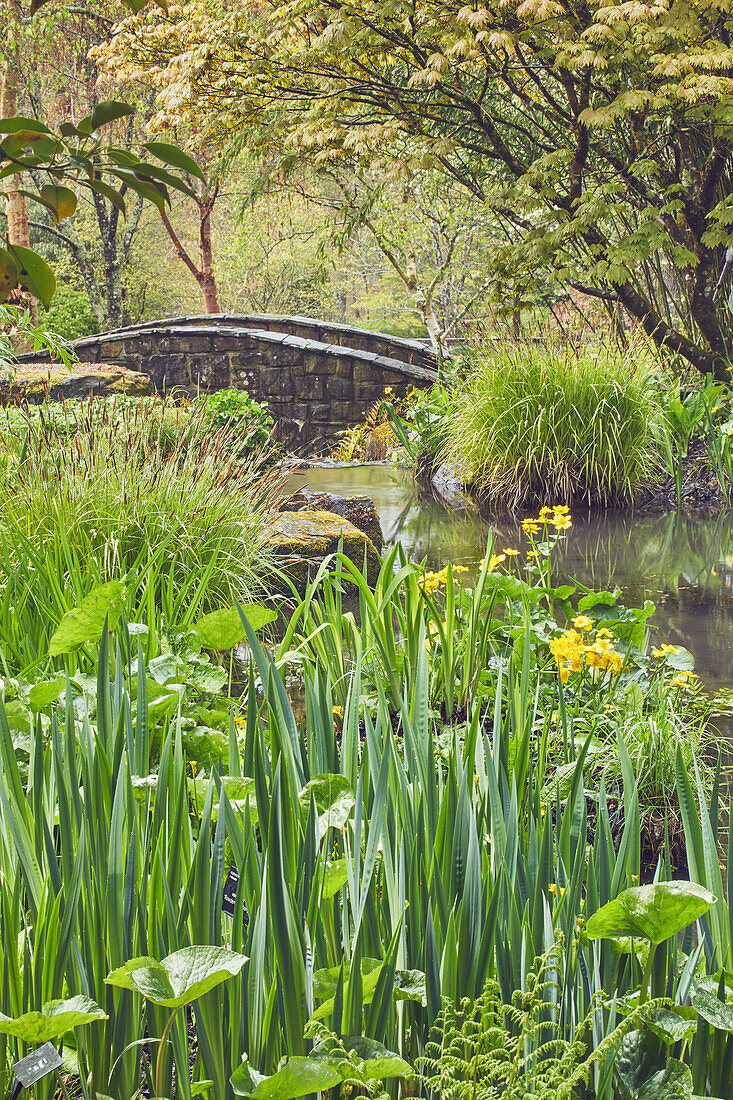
(556, 422)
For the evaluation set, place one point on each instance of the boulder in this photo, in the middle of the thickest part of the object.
(357, 510)
(37, 382)
(301, 540)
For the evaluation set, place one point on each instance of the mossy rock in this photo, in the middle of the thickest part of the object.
(301, 540)
(36, 382)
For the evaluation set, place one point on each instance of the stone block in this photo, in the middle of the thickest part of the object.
(339, 389)
(341, 414)
(277, 382)
(343, 367)
(226, 343)
(248, 380)
(310, 387)
(368, 392)
(114, 349)
(320, 411)
(391, 378)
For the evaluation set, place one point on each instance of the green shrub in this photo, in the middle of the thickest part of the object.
(120, 487)
(248, 421)
(70, 314)
(542, 423)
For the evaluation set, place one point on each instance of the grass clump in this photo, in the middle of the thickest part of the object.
(123, 486)
(556, 423)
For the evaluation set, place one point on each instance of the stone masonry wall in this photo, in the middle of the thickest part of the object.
(313, 389)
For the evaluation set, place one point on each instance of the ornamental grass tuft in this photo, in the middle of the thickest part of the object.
(120, 487)
(563, 423)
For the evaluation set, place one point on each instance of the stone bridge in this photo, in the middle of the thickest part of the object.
(317, 377)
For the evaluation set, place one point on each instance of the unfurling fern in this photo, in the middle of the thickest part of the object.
(491, 1050)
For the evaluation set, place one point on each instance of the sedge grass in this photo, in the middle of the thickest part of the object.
(119, 488)
(549, 423)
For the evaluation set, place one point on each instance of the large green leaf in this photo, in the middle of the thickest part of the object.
(653, 912)
(334, 800)
(53, 1021)
(181, 977)
(717, 1013)
(175, 157)
(245, 1078)
(109, 110)
(34, 274)
(61, 200)
(8, 274)
(644, 1072)
(18, 122)
(298, 1077)
(223, 629)
(673, 1025)
(373, 1061)
(48, 691)
(85, 622)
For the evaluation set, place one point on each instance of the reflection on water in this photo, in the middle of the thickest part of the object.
(684, 564)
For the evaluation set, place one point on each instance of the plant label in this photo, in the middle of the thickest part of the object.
(230, 891)
(229, 898)
(37, 1065)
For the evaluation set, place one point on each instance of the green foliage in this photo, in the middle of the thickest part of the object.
(117, 492)
(70, 314)
(545, 423)
(247, 422)
(17, 325)
(492, 1047)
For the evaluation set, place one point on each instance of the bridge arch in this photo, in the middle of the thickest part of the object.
(317, 377)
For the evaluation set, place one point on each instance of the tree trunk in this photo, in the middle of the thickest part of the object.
(207, 280)
(15, 204)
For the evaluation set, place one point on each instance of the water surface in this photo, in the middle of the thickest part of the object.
(683, 563)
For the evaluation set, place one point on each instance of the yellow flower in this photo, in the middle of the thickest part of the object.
(509, 552)
(561, 509)
(545, 512)
(664, 650)
(494, 560)
(683, 680)
(555, 890)
(560, 522)
(337, 712)
(582, 622)
(530, 526)
(240, 720)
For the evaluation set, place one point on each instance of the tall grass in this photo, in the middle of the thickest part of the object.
(122, 488)
(556, 423)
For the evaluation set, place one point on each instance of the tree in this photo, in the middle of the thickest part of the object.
(598, 132)
(76, 153)
(435, 241)
(138, 65)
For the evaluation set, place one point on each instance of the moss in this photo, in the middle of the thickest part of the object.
(37, 383)
(301, 540)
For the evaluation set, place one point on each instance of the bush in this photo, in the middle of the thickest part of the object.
(541, 423)
(70, 314)
(248, 421)
(121, 486)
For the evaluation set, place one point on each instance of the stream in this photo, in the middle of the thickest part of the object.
(682, 562)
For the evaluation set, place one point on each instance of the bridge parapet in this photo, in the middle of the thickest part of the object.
(313, 388)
